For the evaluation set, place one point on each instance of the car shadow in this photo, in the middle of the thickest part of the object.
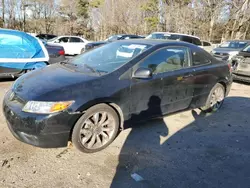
(7, 79)
(211, 151)
(242, 82)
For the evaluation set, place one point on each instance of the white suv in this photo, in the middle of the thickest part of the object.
(176, 36)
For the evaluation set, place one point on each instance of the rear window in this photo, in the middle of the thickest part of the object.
(206, 44)
(196, 41)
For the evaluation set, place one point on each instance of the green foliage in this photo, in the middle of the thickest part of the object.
(151, 9)
(151, 6)
(96, 3)
(83, 8)
(152, 21)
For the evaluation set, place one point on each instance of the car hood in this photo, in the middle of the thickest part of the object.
(226, 50)
(52, 83)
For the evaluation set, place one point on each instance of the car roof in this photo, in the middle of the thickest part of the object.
(46, 34)
(248, 41)
(69, 36)
(175, 34)
(155, 42)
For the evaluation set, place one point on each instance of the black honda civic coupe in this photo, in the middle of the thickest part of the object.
(89, 98)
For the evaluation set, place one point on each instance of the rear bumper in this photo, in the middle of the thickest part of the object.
(241, 77)
(58, 59)
(45, 131)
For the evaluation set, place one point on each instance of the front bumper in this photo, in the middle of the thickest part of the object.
(45, 131)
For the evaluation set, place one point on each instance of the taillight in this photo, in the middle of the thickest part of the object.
(61, 52)
(230, 67)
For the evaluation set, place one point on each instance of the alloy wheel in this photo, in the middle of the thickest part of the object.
(217, 98)
(97, 130)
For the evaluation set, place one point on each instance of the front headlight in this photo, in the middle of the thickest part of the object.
(232, 54)
(40, 107)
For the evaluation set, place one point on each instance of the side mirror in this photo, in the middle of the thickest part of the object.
(142, 73)
(56, 41)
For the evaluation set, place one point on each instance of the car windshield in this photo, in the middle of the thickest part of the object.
(247, 49)
(113, 38)
(164, 36)
(43, 41)
(233, 44)
(109, 57)
(54, 38)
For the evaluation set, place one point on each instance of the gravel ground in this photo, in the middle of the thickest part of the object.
(188, 149)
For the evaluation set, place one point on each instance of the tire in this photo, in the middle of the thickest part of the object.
(99, 121)
(210, 105)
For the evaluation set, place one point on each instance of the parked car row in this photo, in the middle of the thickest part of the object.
(112, 38)
(241, 65)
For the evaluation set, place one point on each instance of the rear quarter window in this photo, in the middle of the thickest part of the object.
(200, 57)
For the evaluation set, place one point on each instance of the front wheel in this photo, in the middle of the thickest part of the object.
(96, 129)
(215, 99)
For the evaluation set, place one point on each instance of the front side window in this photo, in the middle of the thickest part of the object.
(63, 39)
(109, 57)
(167, 59)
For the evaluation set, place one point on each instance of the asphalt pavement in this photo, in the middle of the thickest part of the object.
(188, 149)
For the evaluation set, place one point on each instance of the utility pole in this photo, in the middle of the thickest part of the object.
(161, 16)
(24, 16)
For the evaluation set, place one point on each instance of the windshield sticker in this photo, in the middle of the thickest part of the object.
(135, 46)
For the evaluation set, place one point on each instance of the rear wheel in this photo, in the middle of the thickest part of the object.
(215, 99)
(96, 129)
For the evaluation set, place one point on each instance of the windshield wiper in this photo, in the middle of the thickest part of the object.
(92, 69)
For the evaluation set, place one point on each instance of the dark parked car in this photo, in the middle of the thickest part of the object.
(56, 52)
(46, 36)
(56, 55)
(241, 65)
(88, 99)
(112, 38)
(229, 49)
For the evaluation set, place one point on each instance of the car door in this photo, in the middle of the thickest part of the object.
(178, 80)
(146, 94)
(203, 74)
(76, 44)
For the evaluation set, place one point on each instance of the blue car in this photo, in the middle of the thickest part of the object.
(20, 52)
